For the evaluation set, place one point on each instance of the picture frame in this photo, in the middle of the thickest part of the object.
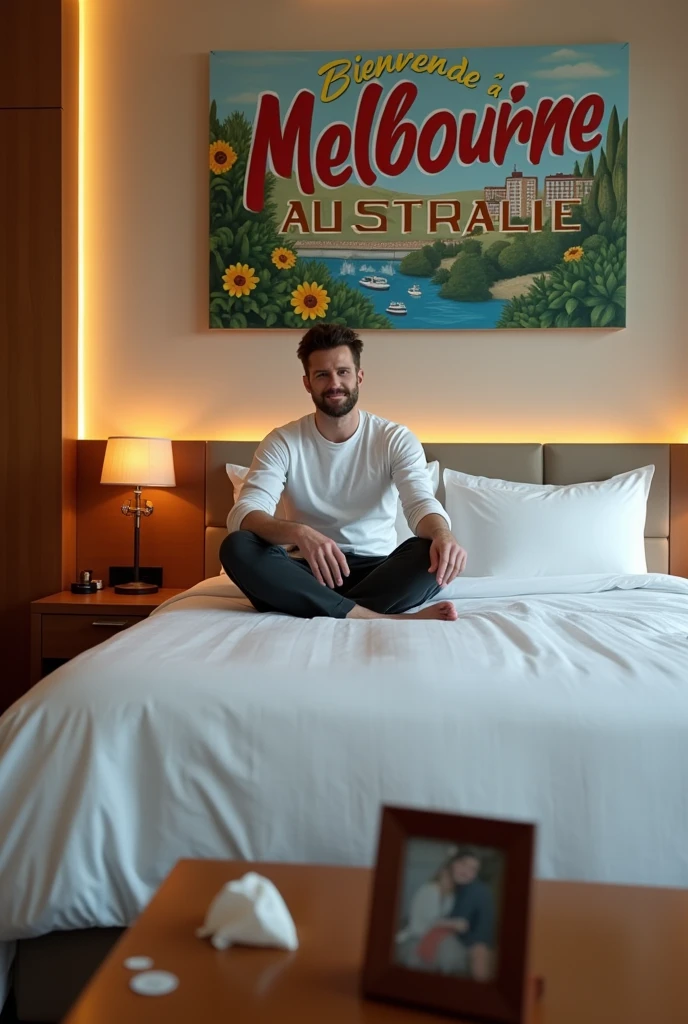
(471, 961)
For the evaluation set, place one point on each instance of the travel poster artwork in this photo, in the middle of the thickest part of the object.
(405, 189)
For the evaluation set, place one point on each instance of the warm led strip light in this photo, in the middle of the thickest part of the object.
(81, 411)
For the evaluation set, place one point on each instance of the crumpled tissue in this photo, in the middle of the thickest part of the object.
(249, 912)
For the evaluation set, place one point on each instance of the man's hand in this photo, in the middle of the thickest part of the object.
(447, 557)
(326, 560)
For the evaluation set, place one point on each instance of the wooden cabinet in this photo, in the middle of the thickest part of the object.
(38, 316)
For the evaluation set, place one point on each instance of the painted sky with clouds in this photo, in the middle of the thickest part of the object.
(236, 79)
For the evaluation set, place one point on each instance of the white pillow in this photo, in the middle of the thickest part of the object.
(237, 475)
(523, 530)
(401, 526)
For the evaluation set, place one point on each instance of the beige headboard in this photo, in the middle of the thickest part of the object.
(528, 463)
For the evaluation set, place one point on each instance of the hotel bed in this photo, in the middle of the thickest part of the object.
(209, 730)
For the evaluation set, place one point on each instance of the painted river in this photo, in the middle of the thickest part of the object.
(426, 311)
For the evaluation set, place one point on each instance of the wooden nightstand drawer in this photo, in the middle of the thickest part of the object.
(65, 636)
(65, 624)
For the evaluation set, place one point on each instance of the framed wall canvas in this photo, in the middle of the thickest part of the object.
(441, 190)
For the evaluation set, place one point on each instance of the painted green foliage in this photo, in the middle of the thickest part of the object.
(424, 262)
(590, 292)
(587, 285)
(469, 279)
(612, 137)
(417, 264)
(248, 256)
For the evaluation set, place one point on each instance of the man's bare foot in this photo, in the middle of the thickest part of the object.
(443, 610)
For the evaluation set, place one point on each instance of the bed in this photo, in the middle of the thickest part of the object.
(211, 731)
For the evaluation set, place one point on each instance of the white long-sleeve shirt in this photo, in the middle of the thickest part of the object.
(347, 490)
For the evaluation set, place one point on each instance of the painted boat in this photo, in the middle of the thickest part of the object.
(397, 309)
(379, 284)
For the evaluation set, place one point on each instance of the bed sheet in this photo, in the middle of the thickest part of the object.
(212, 731)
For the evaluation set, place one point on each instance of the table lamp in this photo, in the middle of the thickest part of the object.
(139, 462)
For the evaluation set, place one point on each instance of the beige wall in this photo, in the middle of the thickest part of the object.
(152, 366)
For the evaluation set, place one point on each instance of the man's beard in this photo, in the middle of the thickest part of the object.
(337, 409)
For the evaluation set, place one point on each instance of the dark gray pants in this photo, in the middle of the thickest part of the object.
(274, 582)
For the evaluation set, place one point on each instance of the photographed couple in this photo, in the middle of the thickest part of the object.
(451, 922)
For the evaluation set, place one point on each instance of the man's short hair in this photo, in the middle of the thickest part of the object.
(325, 336)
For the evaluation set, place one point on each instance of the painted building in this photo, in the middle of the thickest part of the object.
(494, 195)
(519, 188)
(521, 191)
(566, 186)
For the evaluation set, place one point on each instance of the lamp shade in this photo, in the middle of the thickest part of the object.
(143, 461)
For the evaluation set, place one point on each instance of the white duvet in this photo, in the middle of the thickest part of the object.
(212, 731)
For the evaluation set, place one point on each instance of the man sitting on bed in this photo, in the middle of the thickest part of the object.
(337, 473)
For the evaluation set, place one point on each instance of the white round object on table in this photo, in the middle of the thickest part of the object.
(154, 983)
(138, 963)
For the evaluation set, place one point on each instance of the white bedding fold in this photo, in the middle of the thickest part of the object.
(212, 731)
(465, 588)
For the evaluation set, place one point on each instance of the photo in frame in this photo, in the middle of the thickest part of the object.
(450, 913)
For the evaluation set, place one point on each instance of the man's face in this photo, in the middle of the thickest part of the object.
(465, 870)
(333, 381)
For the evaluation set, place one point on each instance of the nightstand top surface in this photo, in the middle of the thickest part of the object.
(102, 601)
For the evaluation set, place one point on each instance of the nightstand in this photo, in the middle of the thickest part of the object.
(63, 625)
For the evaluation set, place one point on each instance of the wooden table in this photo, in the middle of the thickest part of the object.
(609, 955)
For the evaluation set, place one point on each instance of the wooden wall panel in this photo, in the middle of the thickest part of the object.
(30, 58)
(38, 188)
(678, 543)
(30, 380)
(172, 537)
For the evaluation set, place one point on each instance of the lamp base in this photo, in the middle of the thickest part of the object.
(119, 574)
(136, 588)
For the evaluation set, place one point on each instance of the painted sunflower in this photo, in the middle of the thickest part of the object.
(222, 157)
(239, 279)
(575, 253)
(310, 300)
(284, 259)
